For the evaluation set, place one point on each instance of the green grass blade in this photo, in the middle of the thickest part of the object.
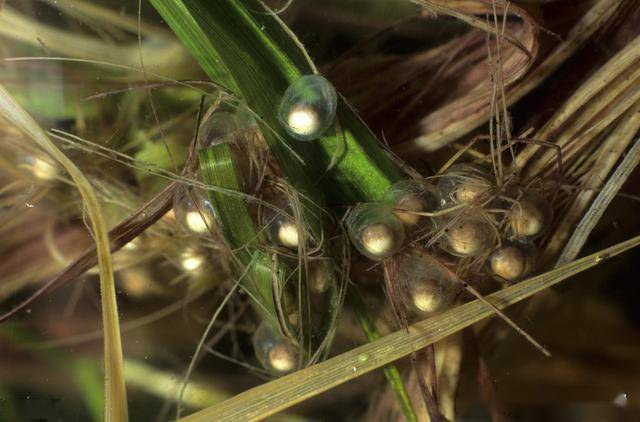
(244, 46)
(218, 169)
(270, 398)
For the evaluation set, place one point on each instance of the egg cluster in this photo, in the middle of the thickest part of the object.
(462, 224)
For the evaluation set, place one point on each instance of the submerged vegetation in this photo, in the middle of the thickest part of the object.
(247, 212)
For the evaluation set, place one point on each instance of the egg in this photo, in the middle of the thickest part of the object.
(508, 262)
(530, 217)
(374, 230)
(468, 237)
(308, 107)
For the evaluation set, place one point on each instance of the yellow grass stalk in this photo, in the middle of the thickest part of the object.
(115, 393)
(270, 398)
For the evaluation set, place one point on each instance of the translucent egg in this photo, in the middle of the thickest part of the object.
(42, 168)
(530, 217)
(192, 259)
(512, 261)
(464, 184)
(426, 288)
(468, 235)
(320, 276)
(410, 196)
(226, 127)
(282, 229)
(308, 107)
(375, 230)
(238, 130)
(275, 353)
(193, 210)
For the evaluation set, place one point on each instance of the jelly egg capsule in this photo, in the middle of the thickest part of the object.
(40, 168)
(374, 230)
(275, 353)
(426, 296)
(193, 210)
(511, 262)
(320, 276)
(464, 184)
(468, 236)
(281, 358)
(530, 217)
(408, 197)
(192, 260)
(282, 228)
(226, 127)
(239, 131)
(377, 238)
(429, 289)
(288, 234)
(308, 107)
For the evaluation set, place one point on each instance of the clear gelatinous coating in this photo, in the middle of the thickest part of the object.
(320, 275)
(409, 197)
(193, 210)
(375, 230)
(530, 216)
(192, 259)
(275, 353)
(308, 107)
(237, 129)
(43, 169)
(468, 235)
(512, 261)
(426, 288)
(464, 184)
(226, 126)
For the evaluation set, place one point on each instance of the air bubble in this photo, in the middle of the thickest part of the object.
(308, 107)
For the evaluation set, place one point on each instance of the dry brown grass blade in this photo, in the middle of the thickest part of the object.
(600, 204)
(593, 20)
(465, 11)
(120, 235)
(594, 119)
(115, 391)
(160, 49)
(432, 90)
(610, 152)
(270, 398)
(599, 86)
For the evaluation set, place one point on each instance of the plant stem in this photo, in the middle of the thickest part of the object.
(390, 370)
